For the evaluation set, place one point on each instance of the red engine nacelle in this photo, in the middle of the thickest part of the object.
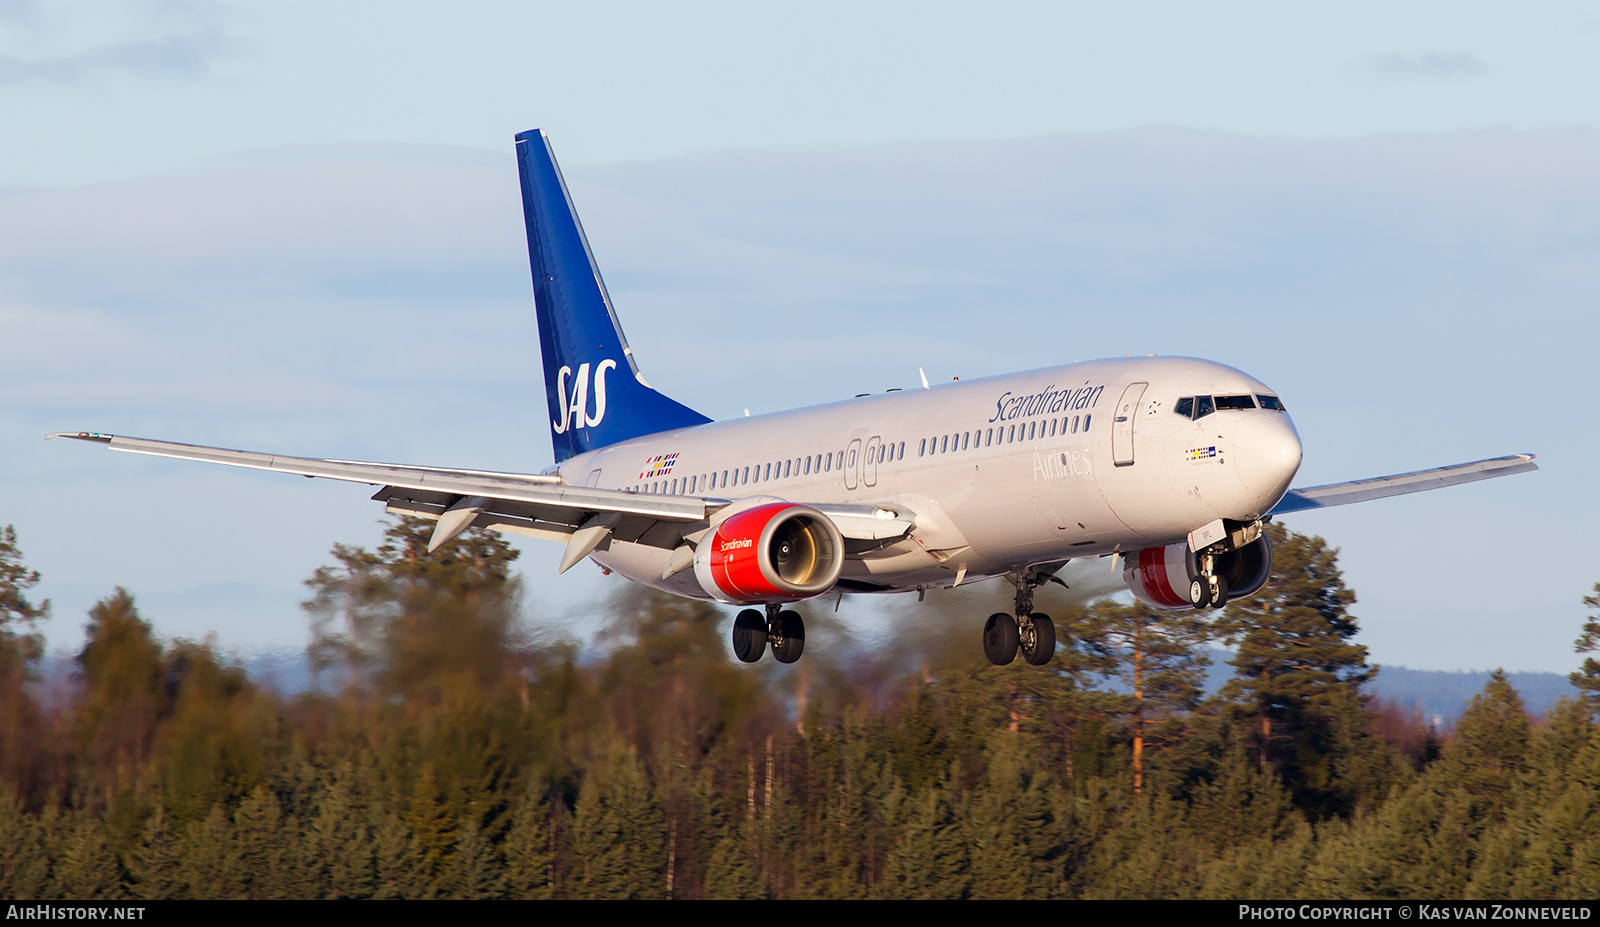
(777, 552)
(1166, 577)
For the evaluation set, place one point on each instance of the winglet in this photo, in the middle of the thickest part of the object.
(94, 436)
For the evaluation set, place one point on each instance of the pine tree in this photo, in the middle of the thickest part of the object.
(1004, 821)
(1147, 853)
(336, 860)
(1296, 669)
(1161, 661)
(84, 868)
(123, 695)
(215, 736)
(731, 873)
(24, 861)
(210, 869)
(432, 828)
(529, 873)
(20, 643)
(928, 860)
(1265, 867)
(403, 619)
(1587, 678)
(155, 864)
(258, 853)
(1240, 803)
(399, 867)
(471, 871)
(617, 844)
(1487, 757)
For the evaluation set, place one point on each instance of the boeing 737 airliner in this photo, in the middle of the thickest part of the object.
(1168, 465)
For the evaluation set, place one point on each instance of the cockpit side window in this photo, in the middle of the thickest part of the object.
(1203, 406)
(1234, 403)
(1271, 402)
(1184, 406)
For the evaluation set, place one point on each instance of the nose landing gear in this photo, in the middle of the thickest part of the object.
(1210, 588)
(1030, 632)
(785, 630)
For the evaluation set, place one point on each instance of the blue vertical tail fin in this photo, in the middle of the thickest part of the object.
(594, 389)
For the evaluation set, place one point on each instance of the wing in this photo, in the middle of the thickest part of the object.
(534, 505)
(1316, 497)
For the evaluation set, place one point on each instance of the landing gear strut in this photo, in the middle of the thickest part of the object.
(785, 630)
(1209, 589)
(1028, 631)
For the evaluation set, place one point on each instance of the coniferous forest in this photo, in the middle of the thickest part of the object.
(447, 753)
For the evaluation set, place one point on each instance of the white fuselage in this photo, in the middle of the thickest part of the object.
(1001, 473)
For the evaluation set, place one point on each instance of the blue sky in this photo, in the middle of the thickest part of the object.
(295, 228)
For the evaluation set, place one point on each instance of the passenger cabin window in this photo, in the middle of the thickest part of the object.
(1271, 402)
(1234, 403)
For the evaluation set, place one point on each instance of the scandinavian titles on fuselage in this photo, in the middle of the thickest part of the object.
(1049, 399)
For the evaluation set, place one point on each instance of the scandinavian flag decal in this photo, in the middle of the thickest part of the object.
(659, 465)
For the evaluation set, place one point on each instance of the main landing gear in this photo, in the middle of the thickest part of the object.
(1028, 631)
(785, 630)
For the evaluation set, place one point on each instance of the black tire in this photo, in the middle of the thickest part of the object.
(749, 635)
(792, 637)
(1044, 640)
(1221, 598)
(1000, 638)
(1199, 593)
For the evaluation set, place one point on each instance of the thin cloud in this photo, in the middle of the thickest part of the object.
(22, 12)
(175, 55)
(1430, 64)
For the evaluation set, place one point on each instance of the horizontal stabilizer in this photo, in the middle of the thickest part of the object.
(1318, 497)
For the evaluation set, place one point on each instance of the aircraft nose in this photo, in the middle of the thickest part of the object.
(1267, 453)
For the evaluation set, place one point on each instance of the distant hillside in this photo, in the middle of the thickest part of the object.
(1436, 694)
(1439, 695)
(1442, 695)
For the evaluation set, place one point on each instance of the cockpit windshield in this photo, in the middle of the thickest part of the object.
(1196, 407)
